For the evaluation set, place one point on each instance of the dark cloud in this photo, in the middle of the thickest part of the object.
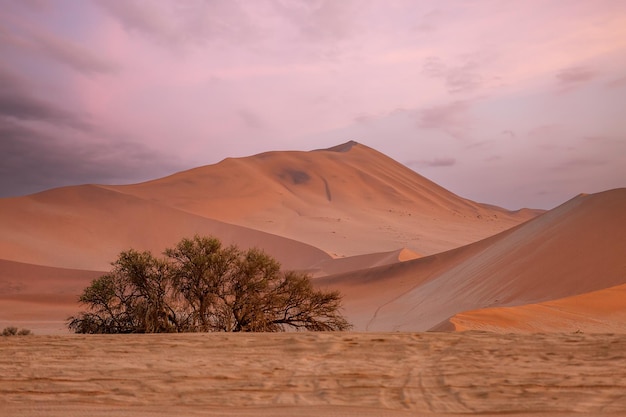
(32, 161)
(17, 101)
(432, 163)
(452, 118)
(573, 77)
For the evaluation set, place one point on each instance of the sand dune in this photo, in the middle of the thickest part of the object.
(346, 200)
(86, 227)
(573, 249)
(40, 298)
(602, 311)
(349, 201)
(360, 262)
(313, 374)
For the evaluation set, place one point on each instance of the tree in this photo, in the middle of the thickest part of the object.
(202, 286)
(132, 298)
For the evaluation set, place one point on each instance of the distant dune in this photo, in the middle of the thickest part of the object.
(86, 227)
(405, 253)
(347, 200)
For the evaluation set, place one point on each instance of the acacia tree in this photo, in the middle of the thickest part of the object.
(203, 286)
(135, 297)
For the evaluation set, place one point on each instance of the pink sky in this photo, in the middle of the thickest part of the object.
(518, 104)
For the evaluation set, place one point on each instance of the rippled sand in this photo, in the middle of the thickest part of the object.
(313, 374)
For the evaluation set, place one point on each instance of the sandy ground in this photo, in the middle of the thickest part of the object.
(313, 374)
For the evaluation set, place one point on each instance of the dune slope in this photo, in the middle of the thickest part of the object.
(602, 311)
(574, 249)
(347, 200)
(87, 226)
(40, 298)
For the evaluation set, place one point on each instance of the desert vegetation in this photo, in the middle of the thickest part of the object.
(13, 331)
(202, 286)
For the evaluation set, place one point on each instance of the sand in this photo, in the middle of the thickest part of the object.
(602, 311)
(313, 374)
(349, 202)
(571, 250)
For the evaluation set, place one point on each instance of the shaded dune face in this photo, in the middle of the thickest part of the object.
(574, 249)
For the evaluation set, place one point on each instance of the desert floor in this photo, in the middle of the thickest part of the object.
(314, 374)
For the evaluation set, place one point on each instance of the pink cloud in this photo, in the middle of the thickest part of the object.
(453, 118)
(573, 77)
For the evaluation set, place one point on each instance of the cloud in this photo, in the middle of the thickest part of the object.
(251, 119)
(432, 163)
(325, 20)
(72, 55)
(20, 36)
(32, 160)
(458, 78)
(573, 77)
(579, 163)
(453, 119)
(548, 130)
(430, 21)
(509, 133)
(176, 24)
(17, 101)
(617, 82)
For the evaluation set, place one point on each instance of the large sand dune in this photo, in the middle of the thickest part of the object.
(86, 227)
(573, 249)
(347, 200)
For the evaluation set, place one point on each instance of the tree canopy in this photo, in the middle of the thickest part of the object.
(202, 286)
